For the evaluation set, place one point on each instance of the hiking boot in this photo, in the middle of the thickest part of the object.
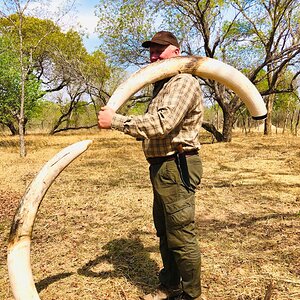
(162, 292)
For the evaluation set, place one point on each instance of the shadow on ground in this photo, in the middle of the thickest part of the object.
(44, 283)
(127, 258)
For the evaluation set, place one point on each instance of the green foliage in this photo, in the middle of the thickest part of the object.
(286, 101)
(10, 83)
(36, 32)
(50, 53)
(94, 68)
(49, 112)
(138, 109)
(52, 60)
(123, 26)
(46, 114)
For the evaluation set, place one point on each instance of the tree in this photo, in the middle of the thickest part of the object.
(15, 26)
(57, 60)
(10, 82)
(85, 87)
(275, 30)
(18, 26)
(259, 35)
(26, 40)
(284, 111)
(123, 26)
(250, 35)
(8, 87)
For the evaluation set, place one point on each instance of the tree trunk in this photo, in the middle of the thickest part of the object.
(212, 129)
(292, 121)
(268, 121)
(286, 116)
(68, 121)
(22, 97)
(218, 119)
(243, 125)
(11, 127)
(228, 122)
(22, 138)
(226, 135)
(297, 123)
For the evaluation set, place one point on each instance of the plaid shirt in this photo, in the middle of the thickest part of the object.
(174, 116)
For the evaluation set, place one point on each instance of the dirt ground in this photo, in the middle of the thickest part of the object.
(94, 238)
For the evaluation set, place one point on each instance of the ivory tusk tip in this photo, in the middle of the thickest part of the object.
(259, 117)
(87, 142)
(81, 146)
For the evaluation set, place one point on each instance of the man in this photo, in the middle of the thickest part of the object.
(170, 133)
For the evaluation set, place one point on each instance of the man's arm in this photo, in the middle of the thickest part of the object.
(160, 122)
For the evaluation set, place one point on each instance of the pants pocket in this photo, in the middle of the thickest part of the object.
(180, 213)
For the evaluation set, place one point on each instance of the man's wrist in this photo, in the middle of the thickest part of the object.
(118, 122)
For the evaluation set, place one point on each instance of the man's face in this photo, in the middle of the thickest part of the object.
(159, 52)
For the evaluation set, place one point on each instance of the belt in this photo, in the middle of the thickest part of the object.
(161, 159)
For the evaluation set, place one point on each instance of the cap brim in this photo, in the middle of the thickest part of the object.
(146, 44)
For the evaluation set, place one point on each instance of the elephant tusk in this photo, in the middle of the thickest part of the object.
(18, 257)
(200, 66)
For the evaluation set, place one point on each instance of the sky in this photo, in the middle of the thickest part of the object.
(86, 17)
(83, 13)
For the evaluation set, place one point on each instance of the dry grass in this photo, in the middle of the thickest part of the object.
(94, 238)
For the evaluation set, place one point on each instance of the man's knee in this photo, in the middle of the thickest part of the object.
(182, 237)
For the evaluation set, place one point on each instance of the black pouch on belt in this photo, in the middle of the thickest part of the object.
(183, 168)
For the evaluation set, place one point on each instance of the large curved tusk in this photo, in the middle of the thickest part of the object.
(200, 66)
(18, 258)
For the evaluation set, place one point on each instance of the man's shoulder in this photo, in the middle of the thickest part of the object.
(183, 78)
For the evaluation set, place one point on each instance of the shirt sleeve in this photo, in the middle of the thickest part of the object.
(177, 100)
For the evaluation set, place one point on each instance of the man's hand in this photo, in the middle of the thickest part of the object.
(105, 116)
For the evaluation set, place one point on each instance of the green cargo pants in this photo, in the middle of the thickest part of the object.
(174, 214)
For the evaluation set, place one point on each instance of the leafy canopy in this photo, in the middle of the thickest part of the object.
(10, 81)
